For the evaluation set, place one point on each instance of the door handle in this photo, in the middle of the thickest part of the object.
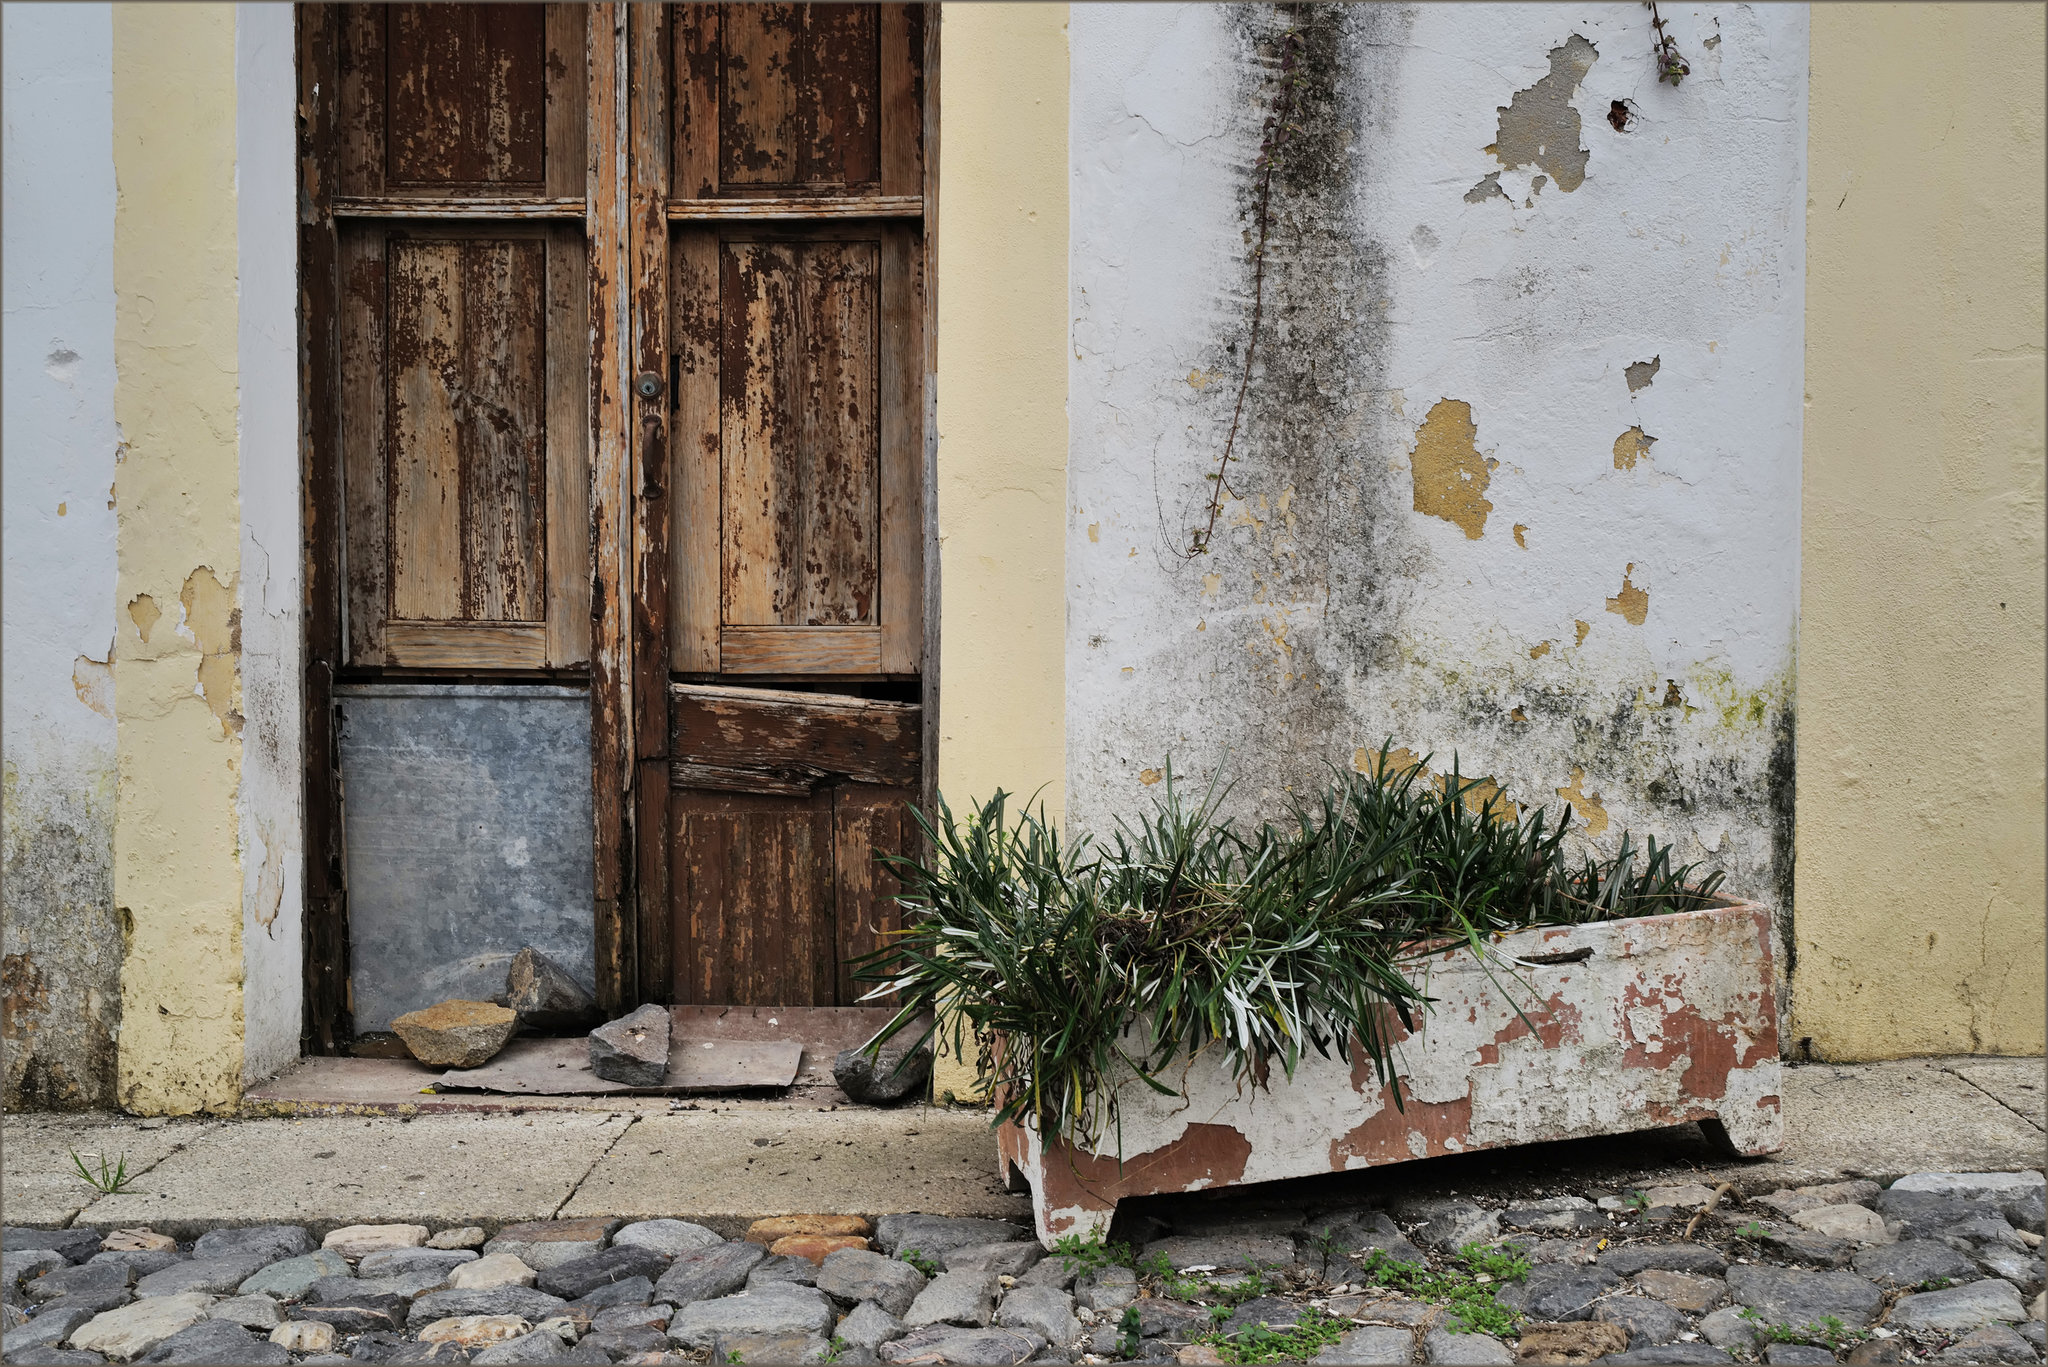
(653, 457)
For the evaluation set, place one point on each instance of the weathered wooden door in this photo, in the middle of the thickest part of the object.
(617, 357)
(794, 722)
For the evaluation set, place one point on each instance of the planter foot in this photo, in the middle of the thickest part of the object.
(1725, 1144)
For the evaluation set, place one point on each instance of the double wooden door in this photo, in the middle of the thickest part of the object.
(617, 359)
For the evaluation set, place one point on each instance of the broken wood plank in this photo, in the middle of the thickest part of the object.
(783, 734)
(800, 650)
(837, 206)
(494, 207)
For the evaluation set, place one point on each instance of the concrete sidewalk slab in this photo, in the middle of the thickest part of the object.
(435, 1170)
(38, 1185)
(726, 1166)
(2017, 1084)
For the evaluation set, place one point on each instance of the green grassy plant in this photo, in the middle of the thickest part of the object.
(1298, 1342)
(1466, 1288)
(1828, 1332)
(1098, 962)
(920, 1260)
(109, 1179)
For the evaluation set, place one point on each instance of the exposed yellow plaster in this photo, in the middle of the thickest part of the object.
(93, 681)
(1632, 604)
(1921, 745)
(1632, 446)
(1539, 650)
(1450, 475)
(1584, 804)
(1581, 628)
(177, 877)
(1521, 527)
(1002, 409)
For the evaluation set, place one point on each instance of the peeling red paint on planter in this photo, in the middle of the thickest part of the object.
(1631, 1025)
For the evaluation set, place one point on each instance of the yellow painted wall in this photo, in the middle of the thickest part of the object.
(1919, 896)
(177, 877)
(1002, 407)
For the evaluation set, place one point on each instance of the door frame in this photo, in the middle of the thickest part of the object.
(626, 218)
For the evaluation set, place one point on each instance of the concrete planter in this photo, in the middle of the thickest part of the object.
(1639, 1024)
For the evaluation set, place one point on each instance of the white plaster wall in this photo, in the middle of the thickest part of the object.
(271, 801)
(1330, 613)
(63, 947)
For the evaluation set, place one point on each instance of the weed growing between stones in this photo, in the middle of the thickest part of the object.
(1081, 1256)
(1094, 962)
(920, 1260)
(1466, 1290)
(1829, 1332)
(108, 1180)
(1297, 1342)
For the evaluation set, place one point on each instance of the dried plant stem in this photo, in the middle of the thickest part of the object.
(1670, 66)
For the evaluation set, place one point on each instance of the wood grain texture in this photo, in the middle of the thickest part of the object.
(753, 888)
(835, 88)
(867, 821)
(693, 145)
(695, 454)
(503, 430)
(931, 684)
(568, 99)
(796, 208)
(467, 99)
(837, 473)
(789, 734)
(425, 479)
(800, 650)
(757, 106)
(758, 356)
(431, 208)
(568, 442)
(360, 379)
(360, 81)
(466, 645)
(901, 451)
(901, 100)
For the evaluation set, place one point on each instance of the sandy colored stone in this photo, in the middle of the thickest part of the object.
(766, 1232)
(472, 1331)
(304, 1336)
(132, 1330)
(1858, 1223)
(353, 1241)
(814, 1247)
(456, 1034)
(1581, 1341)
(463, 1236)
(1683, 1290)
(493, 1269)
(137, 1241)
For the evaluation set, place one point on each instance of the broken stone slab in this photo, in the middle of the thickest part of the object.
(1729, 1328)
(139, 1241)
(1374, 1344)
(898, 1072)
(937, 1235)
(1106, 1289)
(1958, 1309)
(1790, 1295)
(1806, 1246)
(303, 1336)
(493, 1269)
(1041, 1309)
(85, 1277)
(869, 1326)
(1005, 1260)
(1384, 1309)
(1683, 1290)
(522, 1301)
(1573, 1342)
(1459, 1224)
(1159, 1318)
(783, 1268)
(1442, 1345)
(75, 1245)
(215, 1341)
(50, 1328)
(1630, 1259)
(251, 1312)
(581, 1276)
(455, 1033)
(462, 1236)
(293, 1277)
(618, 1344)
(92, 1302)
(133, 1330)
(397, 1262)
(633, 1049)
(1992, 1343)
(358, 1241)
(2023, 1271)
(1648, 1322)
(1246, 1252)
(1271, 1311)
(1577, 1219)
(1858, 1224)
(277, 1241)
(142, 1261)
(1975, 1186)
(19, 1265)
(353, 1309)
(382, 1345)
(1796, 1355)
(542, 1244)
(541, 1345)
(777, 1309)
(1670, 1353)
(215, 1276)
(965, 1299)
(853, 1276)
(1053, 1271)
(633, 1292)
(1559, 1291)
(1924, 1214)
(790, 1348)
(543, 995)
(474, 1331)
(1687, 1195)
(670, 1238)
(632, 1317)
(966, 1347)
(1912, 1262)
(708, 1273)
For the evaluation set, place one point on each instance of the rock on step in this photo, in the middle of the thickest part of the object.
(456, 1034)
(633, 1049)
(543, 995)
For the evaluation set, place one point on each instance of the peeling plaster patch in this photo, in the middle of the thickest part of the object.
(1539, 127)
(1632, 446)
(1582, 628)
(1487, 188)
(1399, 760)
(1538, 651)
(93, 681)
(1449, 473)
(1584, 803)
(1200, 379)
(1424, 244)
(1632, 604)
(216, 624)
(144, 612)
(1640, 373)
(1521, 527)
(1095, 531)
(1148, 777)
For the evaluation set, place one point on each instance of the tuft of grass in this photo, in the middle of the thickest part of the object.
(1466, 1289)
(1081, 1256)
(1828, 1332)
(920, 1260)
(1096, 962)
(1259, 1343)
(110, 1180)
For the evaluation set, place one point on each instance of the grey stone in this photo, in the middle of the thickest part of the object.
(251, 1312)
(776, 1348)
(708, 1273)
(2034, 1331)
(1107, 1288)
(1005, 1260)
(783, 1268)
(1729, 1328)
(1977, 1186)
(1457, 1225)
(1630, 1259)
(937, 1235)
(546, 1243)
(1993, 1343)
(522, 1301)
(1805, 1246)
(216, 1341)
(53, 1356)
(542, 1345)
(1159, 1318)
(627, 1340)
(52, 1326)
(853, 1275)
(455, 1033)
(1797, 1354)
(1441, 1344)
(897, 1073)
(1794, 1296)
(963, 1298)
(632, 1049)
(870, 1326)
(279, 1241)
(459, 1237)
(1560, 1215)
(615, 1317)
(17, 1265)
(778, 1309)
(543, 995)
(1912, 1262)
(670, 1238)
(1559, 1292)
(586, 1351)
(13, 1316)
(1959, 1308)
(387, 1347)
(1649, 1322)
(1041, 1309)
(65, 1281)
(1270, 1311)
(1924, 1214)
(2023, 1270)
(143, 1260)
(1858, 1224)
(1670, 1352)
(1378, 1345)
(581, 1276)
(395, 1262)
(132, 1330)
(98, 1302)
(404, 1284)
(293, 1277)
(1384, 1308)
(1983, 1233)
(1247, 1251)
(74, 1245)
(1580, 1251)
(966, 1347)
(215, 1276)
(352, 1310)
(631, 1293)
(2025, 1212)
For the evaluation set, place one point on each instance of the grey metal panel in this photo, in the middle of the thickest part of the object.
(466, 820)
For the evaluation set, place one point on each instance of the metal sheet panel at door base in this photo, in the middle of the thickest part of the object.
(466, 817)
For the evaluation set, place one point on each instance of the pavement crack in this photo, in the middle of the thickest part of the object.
(161, 1159)
(577, 1185)
(2031, 1120)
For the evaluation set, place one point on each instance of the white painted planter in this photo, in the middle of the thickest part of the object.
(1639, 1024)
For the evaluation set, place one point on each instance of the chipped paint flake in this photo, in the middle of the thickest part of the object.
(93, 681)
(1539, 127)
(1641, 373)
(1521, 527)
(1584, 803)
(1632, 446)
(1449, 473)
(1632, 604)
(143, 611)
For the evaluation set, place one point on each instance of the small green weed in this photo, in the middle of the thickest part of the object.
(920, 1260)
(1130, 1336)
(110, 1180)
(1328, 1248)
(1830, 1333)
(1466, 1289)
(1309, 1335)
(1936, 1284)
(1751, 1230)
(1081, 1256)
(1636, 1200)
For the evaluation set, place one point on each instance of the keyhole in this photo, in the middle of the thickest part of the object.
(648, 385)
